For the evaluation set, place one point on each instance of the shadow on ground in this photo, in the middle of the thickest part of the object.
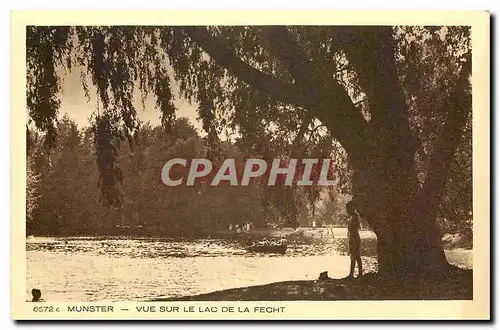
(457, 285)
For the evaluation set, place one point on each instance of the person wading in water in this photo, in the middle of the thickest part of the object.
(354, 239)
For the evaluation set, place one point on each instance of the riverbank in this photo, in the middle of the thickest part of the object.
(457, 285)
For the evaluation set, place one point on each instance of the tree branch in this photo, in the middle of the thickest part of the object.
(440, 163)
(360, 101)
(370, 51)
(297, 142)
(257, 79)
(345, 67)
(314, 130)
(291, 54)
(332, 104)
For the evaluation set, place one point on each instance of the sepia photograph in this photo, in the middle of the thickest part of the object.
(250, 163)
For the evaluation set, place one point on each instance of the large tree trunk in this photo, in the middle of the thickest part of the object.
(408, 238)
(385, 184)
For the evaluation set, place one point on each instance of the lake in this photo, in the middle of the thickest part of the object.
(139, 269)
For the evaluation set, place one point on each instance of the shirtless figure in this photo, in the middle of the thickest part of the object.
(354, 239)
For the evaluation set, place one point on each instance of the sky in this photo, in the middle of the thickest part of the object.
(76, 106)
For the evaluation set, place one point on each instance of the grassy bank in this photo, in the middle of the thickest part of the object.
(457, 285)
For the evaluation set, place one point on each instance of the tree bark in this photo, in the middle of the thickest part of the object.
(386, 195)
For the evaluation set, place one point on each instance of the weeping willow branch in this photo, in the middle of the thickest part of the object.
(259, 80)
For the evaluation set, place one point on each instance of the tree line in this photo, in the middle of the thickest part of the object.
(63, 195)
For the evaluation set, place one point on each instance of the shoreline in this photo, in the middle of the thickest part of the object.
(205, 269)
(456, 286)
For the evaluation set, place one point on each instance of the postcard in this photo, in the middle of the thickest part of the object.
(250, 165)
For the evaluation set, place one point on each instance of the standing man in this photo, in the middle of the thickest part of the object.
(354, 239)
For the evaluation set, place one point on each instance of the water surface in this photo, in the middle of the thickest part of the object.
(117, 269)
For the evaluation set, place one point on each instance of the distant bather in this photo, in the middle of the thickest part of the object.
(37, 295)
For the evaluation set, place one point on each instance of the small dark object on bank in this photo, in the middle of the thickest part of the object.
(323, 276)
